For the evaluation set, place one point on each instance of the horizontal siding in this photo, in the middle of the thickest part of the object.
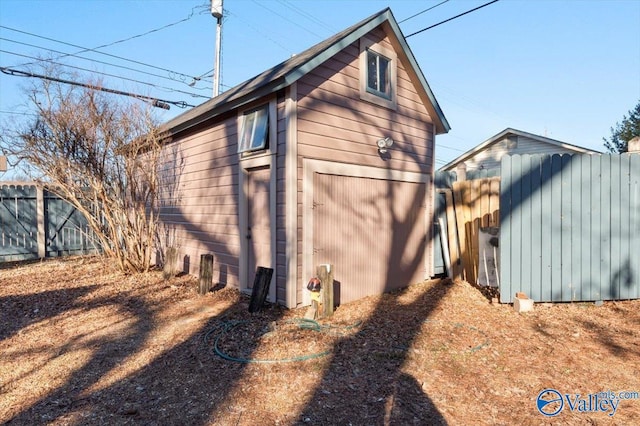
(199, 211)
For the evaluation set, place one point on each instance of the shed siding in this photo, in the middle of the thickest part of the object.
(199, 201)
(334, 124)
(490, 157)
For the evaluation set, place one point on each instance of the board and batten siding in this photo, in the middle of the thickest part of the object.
(334, 124)
(570, 227)
(490, 157)
(199, 200)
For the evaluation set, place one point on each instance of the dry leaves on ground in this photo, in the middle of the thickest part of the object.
(83, 344)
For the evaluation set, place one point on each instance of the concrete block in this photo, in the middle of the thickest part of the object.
(522, 305)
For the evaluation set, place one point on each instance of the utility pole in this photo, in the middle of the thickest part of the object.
(216, 11)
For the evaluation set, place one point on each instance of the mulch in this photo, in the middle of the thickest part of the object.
(81, 343)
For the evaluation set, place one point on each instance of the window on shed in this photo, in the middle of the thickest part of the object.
(378, 74)
(254, 134)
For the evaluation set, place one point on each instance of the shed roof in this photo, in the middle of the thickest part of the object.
(289, 71)
(510, 131)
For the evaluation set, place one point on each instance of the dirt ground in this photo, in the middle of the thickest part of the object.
(82, 344)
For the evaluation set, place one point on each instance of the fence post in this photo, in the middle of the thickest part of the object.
(41, 236)
(170, 261)
(325, 274)
(206, 273)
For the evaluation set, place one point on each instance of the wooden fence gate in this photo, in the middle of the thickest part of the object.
(35, 223)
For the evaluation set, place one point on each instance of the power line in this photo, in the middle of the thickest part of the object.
(420, 13)
(452, 18)
(307, 15)
(64, 54)
(156, 102)
(287, 19)
(85, 49)
(195, 95)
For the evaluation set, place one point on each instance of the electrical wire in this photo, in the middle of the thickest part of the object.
(307, 15)
(85, 49)
(452, 18)
(420, 13)
(64, 54)
(108, 75)
(287, 19)
(156, 102)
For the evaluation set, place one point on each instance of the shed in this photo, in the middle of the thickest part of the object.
(328, 157)
(488, 154)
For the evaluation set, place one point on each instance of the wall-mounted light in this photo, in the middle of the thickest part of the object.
(383, 144)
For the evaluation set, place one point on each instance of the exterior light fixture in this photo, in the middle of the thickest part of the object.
(383, 144)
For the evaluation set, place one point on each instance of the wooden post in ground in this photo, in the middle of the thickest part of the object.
(260, 288)
(170, 263)
(325, 274)
(206, 273)
(452, 234)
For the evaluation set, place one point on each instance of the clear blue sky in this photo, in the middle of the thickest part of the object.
(565, 69)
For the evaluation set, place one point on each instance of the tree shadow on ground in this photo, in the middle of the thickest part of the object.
(19, 311)
(400, 398)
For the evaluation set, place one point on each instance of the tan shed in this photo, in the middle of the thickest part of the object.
(327, 157)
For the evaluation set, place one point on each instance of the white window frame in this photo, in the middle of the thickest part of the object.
(250, 115)
(382, 98)
(385, 91)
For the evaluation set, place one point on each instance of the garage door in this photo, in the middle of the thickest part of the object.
(372, 230)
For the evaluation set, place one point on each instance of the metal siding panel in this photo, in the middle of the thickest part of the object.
(536, 228)
(605, 228)
(596, 215)
(634, 223)
(555, 209)
(566, 288)
(506, 237)
(547, 232)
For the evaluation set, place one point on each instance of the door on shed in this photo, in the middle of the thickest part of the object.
(258, 233)
(372, 230)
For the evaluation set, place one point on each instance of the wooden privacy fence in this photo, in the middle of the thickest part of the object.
(469, 206)
(570, 227)
(35, 223)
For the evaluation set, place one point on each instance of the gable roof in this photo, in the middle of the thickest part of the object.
(509, 131)
(289, 71)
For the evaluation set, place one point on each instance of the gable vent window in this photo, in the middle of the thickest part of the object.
(254, 134)
(378, 74)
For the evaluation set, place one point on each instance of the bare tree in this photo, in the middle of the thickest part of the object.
(101, 154)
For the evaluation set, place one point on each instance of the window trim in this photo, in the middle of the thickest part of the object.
(369, 94)
(270, 143)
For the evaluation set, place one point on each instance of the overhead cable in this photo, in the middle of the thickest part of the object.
(420, 13)
(156, 102)
(195, 95)
(85, 49)
(64, 54)
(452, 18)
